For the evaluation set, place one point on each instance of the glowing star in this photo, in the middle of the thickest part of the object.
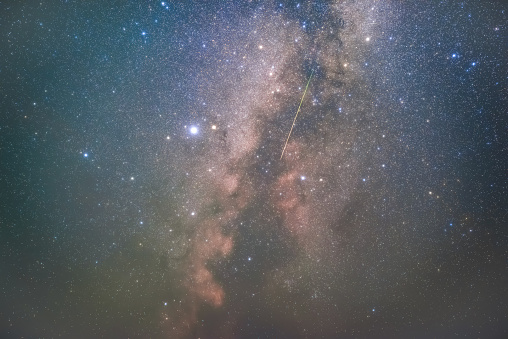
(193, 130)
(214, 127)
(85, 155)
(367, 39)
(302, 177)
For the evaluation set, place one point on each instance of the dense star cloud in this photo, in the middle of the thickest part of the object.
(143, 192)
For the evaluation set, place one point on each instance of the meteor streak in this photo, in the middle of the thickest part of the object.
(296, 115)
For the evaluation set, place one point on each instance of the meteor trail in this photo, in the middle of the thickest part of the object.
(296, 115)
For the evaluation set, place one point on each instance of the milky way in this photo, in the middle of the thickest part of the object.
(144, 193)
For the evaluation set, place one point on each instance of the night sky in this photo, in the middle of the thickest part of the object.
(143, 194)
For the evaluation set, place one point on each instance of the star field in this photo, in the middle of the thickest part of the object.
(143, 193)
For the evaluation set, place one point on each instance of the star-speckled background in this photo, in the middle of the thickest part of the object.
(143, 194)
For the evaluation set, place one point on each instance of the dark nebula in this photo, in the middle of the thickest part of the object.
(142, 192)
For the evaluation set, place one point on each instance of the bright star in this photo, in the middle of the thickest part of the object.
(194, 130)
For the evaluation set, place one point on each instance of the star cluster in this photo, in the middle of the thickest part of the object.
(143, 193)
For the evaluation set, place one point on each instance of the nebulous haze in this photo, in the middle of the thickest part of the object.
(143, 193)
